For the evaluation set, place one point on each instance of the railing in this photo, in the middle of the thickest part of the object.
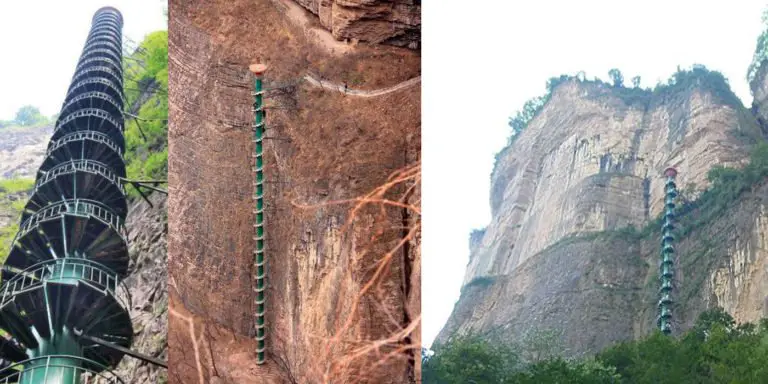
(75, 207)
(108, 43)
(108, 14)
(99, 80)
(97, 51)
(82, 165)
(96, 136)
(40, 369)
(107, 21)
(99, 68)
(82, 64)
(105, 27)
(94, 94)
(87, 112)
(105, 33)
(97, 275)
(103, 36)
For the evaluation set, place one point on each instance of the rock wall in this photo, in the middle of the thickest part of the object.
(22, 150)
(147, 283)
(325, 149)
(395, 22)
(591, 163)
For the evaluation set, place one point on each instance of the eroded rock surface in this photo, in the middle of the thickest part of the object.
(148, 284)
(395, 22)
(589, 164)
(22, 150)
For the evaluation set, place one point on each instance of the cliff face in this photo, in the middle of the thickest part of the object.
(395, 22)
(147, 228)
(324, 147)
(22, 150)
(592, 161)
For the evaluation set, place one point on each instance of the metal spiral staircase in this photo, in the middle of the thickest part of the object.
(666, 269)
(62, 300)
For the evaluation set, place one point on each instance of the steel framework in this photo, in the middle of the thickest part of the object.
(62, 281)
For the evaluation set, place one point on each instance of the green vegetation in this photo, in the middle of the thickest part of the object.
(715, 350)
(761, 50)
(13, 208)
(16, 185)
(26, 117)
(146, 85)
(727, 185)
(697, 76)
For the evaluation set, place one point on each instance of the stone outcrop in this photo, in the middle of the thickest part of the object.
(22, 149)
(591, 162)
(395, 22)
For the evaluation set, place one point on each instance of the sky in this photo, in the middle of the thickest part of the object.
(482, 60)
(41, 42)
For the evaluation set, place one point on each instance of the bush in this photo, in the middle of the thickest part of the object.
(146, 93)
(16, 185)
(715, 350)
(10, 187)
(471, 359)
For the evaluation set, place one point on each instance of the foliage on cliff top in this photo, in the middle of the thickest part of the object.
(715, 350)
(146, 89)
(761, 50)
(683, 79)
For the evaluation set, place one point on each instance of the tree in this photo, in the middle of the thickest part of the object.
(28, 116)
(636, 81)
(471, 359)
(558, 370)
(616, 77)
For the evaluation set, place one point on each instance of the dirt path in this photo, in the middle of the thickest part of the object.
(359, 92)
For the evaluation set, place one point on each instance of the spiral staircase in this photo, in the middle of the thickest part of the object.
(62, 281)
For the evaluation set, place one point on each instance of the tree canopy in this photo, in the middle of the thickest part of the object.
(715, 350)
(26, 116)
(146, 89)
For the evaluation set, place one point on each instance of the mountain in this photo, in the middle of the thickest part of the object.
(573, 246)
(22, 149)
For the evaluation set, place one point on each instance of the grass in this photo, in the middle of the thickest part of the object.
(11, 187)
(15, 185)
